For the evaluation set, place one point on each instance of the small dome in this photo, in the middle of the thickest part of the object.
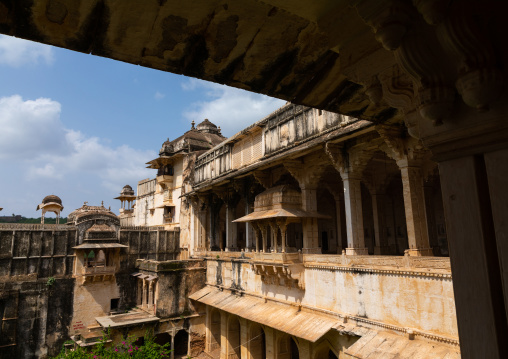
(52, 199)
(207, 127)
(127, 190)
(166, 149)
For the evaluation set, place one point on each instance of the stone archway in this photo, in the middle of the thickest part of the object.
(257, 342)
(287, 348)
(181, 343)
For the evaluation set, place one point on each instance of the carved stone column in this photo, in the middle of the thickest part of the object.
(275, 235)
(248, 236)
(244, 338)
(264, 233)
(409, 153)
(283, 230)
(350, 164)
(151, 288)
(145, 294)
(229, 228)
(354, 214)
(224, 340)
(257, 235)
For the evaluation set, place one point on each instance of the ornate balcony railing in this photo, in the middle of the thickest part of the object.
(98, 270)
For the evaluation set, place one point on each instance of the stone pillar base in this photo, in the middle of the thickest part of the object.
(311, 250)
(357, 251)
(419, 252)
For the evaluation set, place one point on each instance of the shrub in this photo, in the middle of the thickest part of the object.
(125, 349)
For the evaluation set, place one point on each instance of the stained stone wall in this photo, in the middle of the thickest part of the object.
(37, 284)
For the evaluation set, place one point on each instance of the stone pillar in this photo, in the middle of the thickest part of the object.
(354, 215)
(257, 234)
(305, 349)
(202, 229)
(223, 335)
(145, 297)
(379, 223)
(264, 234)
(270, 342)
(408, 153)
(275, 235)
(150, 295)
(283, 230)
(478, 280)
(244, 338)
(229, 228)
(496, 165)
(172, 355)
(414, 205)
(208, 329)
(248, 237)
(211, 227)
(350, 164)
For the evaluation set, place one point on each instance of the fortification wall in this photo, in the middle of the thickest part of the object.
(37, 283)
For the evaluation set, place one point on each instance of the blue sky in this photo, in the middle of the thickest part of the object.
(81, 126)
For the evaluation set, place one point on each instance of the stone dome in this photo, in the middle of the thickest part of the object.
(207, 127)
(52, 199)
(127, 190)
(166, 149)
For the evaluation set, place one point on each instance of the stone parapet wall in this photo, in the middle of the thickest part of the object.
(38, 251)
(395, 293)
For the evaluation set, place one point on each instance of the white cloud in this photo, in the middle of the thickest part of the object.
(29, 127)
(159, 96)
(36, 149)
(18, 52)
(230, 108)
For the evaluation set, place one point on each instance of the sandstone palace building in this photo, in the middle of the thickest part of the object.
(366, 218)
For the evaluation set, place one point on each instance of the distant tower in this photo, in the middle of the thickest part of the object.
(126, 197)
(53, 204)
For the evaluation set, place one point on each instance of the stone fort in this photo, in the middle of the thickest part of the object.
(329, 229)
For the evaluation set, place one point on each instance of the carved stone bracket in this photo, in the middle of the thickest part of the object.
(399, 146)
(289, 275)
(264, 178)
(307, 175)
(351, 162)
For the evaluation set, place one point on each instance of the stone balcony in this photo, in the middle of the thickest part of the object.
(165, 179)
(98, 273)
